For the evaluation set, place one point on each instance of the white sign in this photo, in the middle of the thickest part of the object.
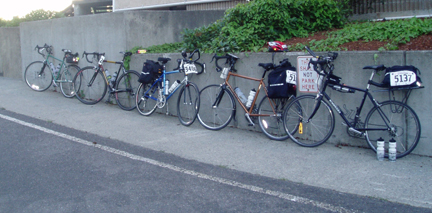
(402, 78)
(307, 78)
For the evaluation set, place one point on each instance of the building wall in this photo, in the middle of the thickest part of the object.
(10, 52)
(120, 5)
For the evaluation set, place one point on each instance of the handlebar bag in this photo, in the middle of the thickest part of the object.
(402, 76)
(151, 70)
(282, 82)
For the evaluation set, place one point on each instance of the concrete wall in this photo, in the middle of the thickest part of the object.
(115, 32)
(348, 66)
(109, 32)
(10, 52)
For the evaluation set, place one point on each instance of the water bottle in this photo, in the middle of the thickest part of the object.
(173, 86)
(240, 95)
(380, 149)
(57, 69)
(52, 66)
(224, 73)
(166, 87)
(108, 75)
(392, 150)
(250, 98)
(114, 77)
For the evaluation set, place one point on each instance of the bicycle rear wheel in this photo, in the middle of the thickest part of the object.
(126, 88)
(90, 85)
(217, 107)
(147, 99)
(66, 81)
(188, 104)
(271, 121)
(302, 129)
(38, 76)
(404, 124)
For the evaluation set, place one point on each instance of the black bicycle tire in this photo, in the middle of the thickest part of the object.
(32, 86)
(294, 138)
(197, 104)
(417, 121)
(80, 86)
(265, 126)
(132, 93)
(202, 104)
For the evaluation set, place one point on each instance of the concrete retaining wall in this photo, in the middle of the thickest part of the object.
(115, 32)
(348, 66)
(10, 52)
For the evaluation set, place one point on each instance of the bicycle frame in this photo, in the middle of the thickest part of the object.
(161, 80)
(352, 126)
(261, 85)
(63, 65)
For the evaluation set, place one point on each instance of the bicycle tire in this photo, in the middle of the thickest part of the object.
(272, 125)
(33, 78)
(147, 98)
(126, 88)
(218, 117)
(403, 120)
(310, 133)
(188, 104)
(91, 87)
(66, 81)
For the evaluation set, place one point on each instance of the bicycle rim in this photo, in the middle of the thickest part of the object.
(272, 122)
(37, 80)
(304, 131)
(188, 104)
(90, 88)
(126, 88)
(66, 81)
(146, 99)
(404, 124)
(217, 107)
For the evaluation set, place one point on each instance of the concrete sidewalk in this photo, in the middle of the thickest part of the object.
(346, 169)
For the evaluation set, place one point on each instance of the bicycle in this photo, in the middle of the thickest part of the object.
(218, 106)
(156, 94)
(40, 75)
(309, 120)
(92, 82)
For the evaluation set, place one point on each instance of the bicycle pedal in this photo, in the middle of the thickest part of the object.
(355, 131)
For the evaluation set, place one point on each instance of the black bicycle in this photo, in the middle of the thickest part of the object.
(91, 83)
(309, 120)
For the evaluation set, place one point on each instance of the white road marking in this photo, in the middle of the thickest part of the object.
(282, 195)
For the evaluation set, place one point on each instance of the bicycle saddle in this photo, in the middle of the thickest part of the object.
(375, 67)
(266, 66)
(164, 60)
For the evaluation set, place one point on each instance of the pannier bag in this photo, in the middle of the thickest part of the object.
(282, 81)
(402, 76)
(151, 70)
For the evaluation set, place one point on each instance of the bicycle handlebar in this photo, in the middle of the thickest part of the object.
(47, 47)
(321, 60)
(95, 54)
(230, 59)
(185, 57)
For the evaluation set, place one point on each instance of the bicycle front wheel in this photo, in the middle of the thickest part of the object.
(38, 76)
(270, 119)
(303, 129)
(404, 125)
(90, 85)
(188, 104)
(147, 99)
(66, 81)
(217, 107)
(126, 88)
